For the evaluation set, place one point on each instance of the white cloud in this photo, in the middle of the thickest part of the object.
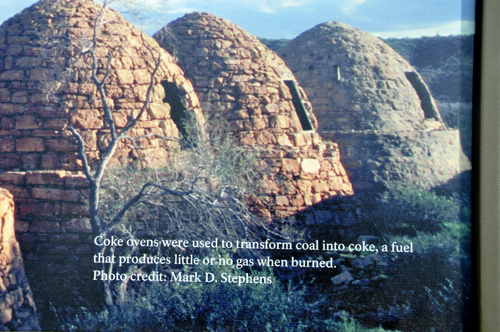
(267, 6)
(443, 29)
(294, 3)
(350, 6)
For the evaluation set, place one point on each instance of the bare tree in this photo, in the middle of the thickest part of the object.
(88, 53)
(205, 194)
(100, 68)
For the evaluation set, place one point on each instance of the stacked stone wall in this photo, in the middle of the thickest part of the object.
(17, 308)
(53, 229)
(373, 103)
(301, 178)
(44, 88)
(375, 161)
(239, 81)
(355, 81)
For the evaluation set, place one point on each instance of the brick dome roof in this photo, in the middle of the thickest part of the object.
(355, 81)
(240, 80)
(45, 85)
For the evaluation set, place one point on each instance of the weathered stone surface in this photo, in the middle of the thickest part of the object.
(352, 78)
(309, 165)
(239, 79)
(16, 300)
(376, 106)
(418, 158)
(343, 278)
(41, 93)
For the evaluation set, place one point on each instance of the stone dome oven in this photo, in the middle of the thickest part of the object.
(375, 105)
(239, 79)
(45, 85)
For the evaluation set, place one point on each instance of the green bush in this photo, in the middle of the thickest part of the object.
(420, 291)
(407, 211)
(215, 307)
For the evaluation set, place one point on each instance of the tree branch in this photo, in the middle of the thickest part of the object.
(165, 138)
(142, 193)
(82, 154)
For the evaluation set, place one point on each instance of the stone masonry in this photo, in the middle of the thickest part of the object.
(378, 109)
(239, 80)
(17, 308)
(53, 228)
(44, 87)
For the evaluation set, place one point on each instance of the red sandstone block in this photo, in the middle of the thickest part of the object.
(46, 177)
(45, 209)
(26, 122)
(40, 99)
(12, 75)
(87, 88)
(50, 161)
(18, 192)
(47, 133)
(123, 105)
(7, 123)
(308, 199)
(142, 76)
(4, 95)
(55, 124)
(19, 40)
(37, 75)
(320, 186)
(125, 76)
(335, 183)
(70, 162)
(79, 225)
(7, 145)
(8, 109)
(262, 212)
(53, 194)
(44, 227)
(281, 214)
(10, 161)
(27, 242)
(30, 145)
(20, 97)
(291, 166)
(84, 118)
(61, 145)
(308, 176)
(33, 51)
(10, 133)
(29, 161)
(14, 50)
(282, 201)
(16, 178)
(304, 186)
(51, 112)
(76, 180)
(28, 62)
(297, 200)
(270, 186)
(74, 209)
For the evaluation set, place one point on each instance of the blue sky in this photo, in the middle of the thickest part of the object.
(288, 18)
